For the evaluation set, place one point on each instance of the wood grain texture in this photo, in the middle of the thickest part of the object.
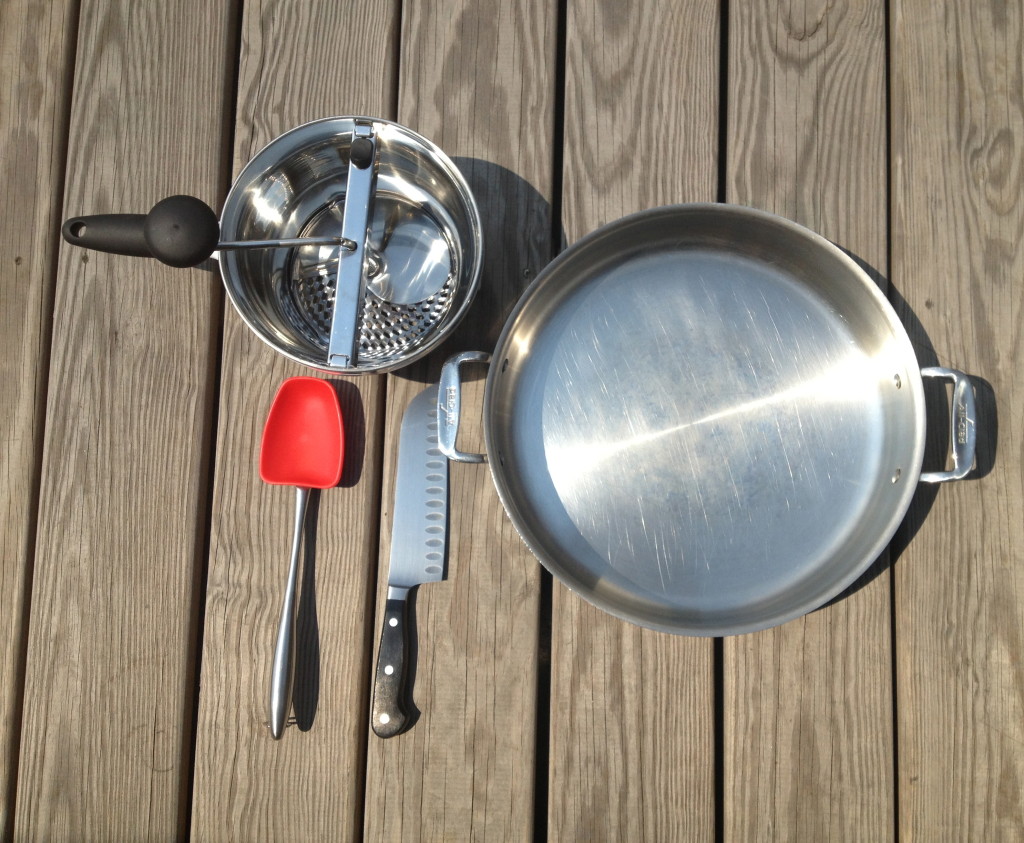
(478, 79)
(109, 692)
(36, 48)
(632, 711)
(808, 705)
(958, 261)
(309, 785)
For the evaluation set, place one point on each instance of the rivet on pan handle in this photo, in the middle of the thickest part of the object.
(963, 432)
(449, 405)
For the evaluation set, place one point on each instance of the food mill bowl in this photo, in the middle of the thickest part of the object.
(422, 256)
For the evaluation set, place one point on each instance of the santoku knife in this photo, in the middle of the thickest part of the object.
(418, 553)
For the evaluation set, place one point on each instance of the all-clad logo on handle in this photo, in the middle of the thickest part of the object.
(961, 427)
(451, 406)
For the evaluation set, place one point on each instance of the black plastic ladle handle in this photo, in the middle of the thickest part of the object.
(179, 231)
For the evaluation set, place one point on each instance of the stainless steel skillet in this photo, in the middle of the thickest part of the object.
(706, 419)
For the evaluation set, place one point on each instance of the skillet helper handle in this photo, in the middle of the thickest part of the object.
(389, 684)
(449, 405)
(963, 427)
(179, 231)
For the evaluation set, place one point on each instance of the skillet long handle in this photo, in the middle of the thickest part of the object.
(389, 684)
(282, 674)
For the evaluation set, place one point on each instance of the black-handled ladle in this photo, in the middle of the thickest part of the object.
(179, 231)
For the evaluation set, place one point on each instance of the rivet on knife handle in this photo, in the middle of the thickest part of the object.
(389, 692)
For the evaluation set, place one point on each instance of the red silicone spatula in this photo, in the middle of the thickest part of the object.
(303, 446)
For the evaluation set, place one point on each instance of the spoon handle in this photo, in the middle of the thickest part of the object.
(283, 670)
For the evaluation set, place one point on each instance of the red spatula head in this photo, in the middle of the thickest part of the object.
(303, 441)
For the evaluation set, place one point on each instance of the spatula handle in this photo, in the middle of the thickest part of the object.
(282, 673)
(389, 715)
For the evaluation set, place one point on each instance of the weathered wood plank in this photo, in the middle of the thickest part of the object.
(36, 51)
(478, 79)
(632, 711)
(108, 694)
(958, 261)
(808, 705)
(309, 785)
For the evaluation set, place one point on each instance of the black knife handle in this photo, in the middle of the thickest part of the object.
(389, 693)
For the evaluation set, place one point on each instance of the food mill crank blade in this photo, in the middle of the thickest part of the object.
(351, 287)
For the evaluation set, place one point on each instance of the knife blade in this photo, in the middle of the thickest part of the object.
(418, 553)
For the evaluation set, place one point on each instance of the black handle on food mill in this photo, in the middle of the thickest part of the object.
(179, 230)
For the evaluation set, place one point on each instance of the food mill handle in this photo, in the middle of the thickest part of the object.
(119, 234)
(179, 231)
(449, 405)
(963, 433)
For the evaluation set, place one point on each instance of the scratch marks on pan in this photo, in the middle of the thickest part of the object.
(853, 380)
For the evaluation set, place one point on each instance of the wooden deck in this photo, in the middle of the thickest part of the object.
(143, 560)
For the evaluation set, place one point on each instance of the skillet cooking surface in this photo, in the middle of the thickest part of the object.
(699, 423)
